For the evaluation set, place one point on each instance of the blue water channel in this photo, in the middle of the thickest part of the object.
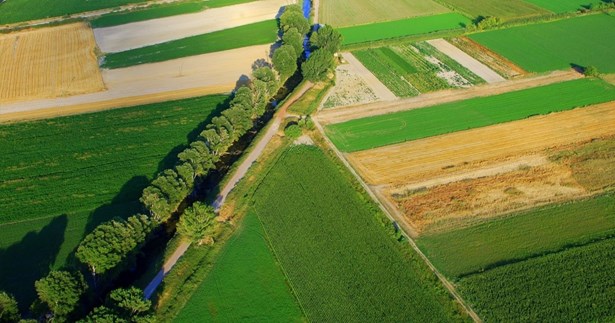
(307, 10)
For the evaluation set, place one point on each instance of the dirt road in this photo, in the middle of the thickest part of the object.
(150, 32)
(185, 77)
(429, 99)
(381, 91)
(478, 68)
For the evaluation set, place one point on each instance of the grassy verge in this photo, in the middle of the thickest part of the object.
(403, 126)
(309, 102)
(253, 34)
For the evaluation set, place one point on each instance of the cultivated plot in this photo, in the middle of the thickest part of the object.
(562, 6)
(343, 13)
(48, 63)
(562, 44)
(502, 9)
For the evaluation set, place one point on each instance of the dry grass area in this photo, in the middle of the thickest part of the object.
(349, 89)
(493, 60)
(48, 63)
(466, 177)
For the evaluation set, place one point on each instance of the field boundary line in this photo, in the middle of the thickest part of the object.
(447, 284)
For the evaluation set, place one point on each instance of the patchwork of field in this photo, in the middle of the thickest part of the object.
(542, 47)
(562, 6)
(343, 13)
(387, 129)
(340, 258)
(402, 28)
(48, 63)
(502, 9)
(245, 283)
(408, 70)
(493, 60)
(259, 33)
(69, 174)
(146, 33)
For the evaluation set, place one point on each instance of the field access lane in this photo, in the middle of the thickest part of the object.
(144, 33)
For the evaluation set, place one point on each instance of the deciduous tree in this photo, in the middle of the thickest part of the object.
(130, 301)
(294, 19)
(285, 61)
(318, 66)
(197, 222)
(9, 311)
(61, 291)
(293, 38)
(326, 38)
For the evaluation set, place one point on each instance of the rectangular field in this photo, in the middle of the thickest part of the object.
(344, 13)
(502, 9)
(561, 6)
(245, 283)
(402, 28)
(253, 34)
(576, 283)
(48, 63)
(69, 174)
(382, 130)
(338, 250)
(542, 47)
(514, 238)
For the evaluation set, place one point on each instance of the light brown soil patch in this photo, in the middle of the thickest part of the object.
(472, 149)
(342, 114)
(486, 56)
(48, 63)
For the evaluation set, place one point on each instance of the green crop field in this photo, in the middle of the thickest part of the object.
(245, 284)
(69, 174)
(369, 11)
(502, 9)
(387, 129)
(470, 250)
(160, 11)
(407, 72)
(13, 11)
(259, 33)
(557, 45)
(333, 244)
(561, 6)
(401, 28)
(576, 284)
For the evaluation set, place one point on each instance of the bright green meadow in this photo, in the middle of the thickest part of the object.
(561, 6)
(69, 174)
(558, 45)
(387, 129)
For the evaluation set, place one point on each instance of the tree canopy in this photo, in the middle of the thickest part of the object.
(293, 38)
(9, 311)
(130, 301)
(326, 38)
(292, 18)
(197, 222)
(61, 291)
(285, 61)
(318, 66)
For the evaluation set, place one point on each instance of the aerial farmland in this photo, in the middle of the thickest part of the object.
(307, 161)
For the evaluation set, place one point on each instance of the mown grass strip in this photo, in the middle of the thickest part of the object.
(401, 28)
(332, 242)
(382, 130)
(248, 35)
(470, 250)
(556, 45)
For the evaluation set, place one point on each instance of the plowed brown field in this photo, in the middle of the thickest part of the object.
(48, 62)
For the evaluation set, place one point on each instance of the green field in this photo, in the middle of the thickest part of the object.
(259, 33)
(401, 28)
(13, 11)
(68, 174)
(333, 244)
(245, 283)
(160, 11)
(561, 6)
(359, 12)
(407, 72)
(557, 45)
(577, 285)
(470, 250)
(387, 129)
(502, 9)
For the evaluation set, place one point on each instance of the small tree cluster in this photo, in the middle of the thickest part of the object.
(591, 71)
(294, 27)
(197, 222)
(325, 43)
(112, 242)
(124, 305)
(61, 291)
(326, 38)
(482, 23)
(293, 18)
(9, 312)
(292, 131)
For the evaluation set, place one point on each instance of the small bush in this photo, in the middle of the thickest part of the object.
(591, 71)
(293, 131)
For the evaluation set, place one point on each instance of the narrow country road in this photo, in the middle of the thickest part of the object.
(237, 176)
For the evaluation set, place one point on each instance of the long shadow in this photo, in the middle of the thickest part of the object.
(24, 262)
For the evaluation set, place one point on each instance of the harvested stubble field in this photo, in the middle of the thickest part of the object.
(506, 10)
(48, 62)
(69, 174)
(343, 13)
(387, 129)
(402, 28)
(338, 250)
(541, 47)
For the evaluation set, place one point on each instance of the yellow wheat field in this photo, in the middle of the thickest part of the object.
(48, 62)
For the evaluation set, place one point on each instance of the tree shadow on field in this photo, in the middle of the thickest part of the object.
(577, 68)
(24, 262)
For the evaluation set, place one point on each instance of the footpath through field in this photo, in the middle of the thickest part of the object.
(466, 60)
(155, 31)
(337, 115)
(149, 83)
(230, 185)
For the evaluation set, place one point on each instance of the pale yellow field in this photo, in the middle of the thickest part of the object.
(48, 62)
